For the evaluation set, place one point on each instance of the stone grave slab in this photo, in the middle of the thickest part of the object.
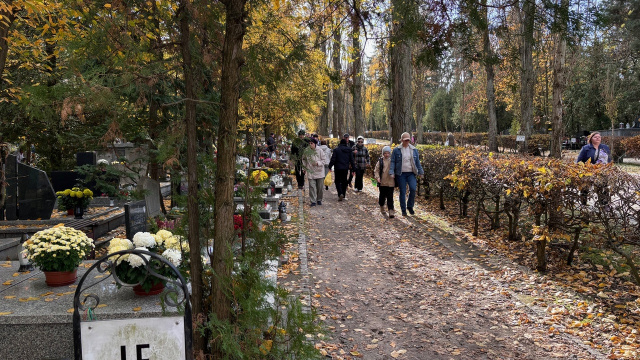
(152, 196)
(39, 314)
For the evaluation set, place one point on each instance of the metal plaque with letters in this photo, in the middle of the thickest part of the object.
(520, 138)
(136, 339)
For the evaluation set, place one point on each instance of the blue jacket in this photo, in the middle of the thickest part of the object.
(588, 151)
(396, 161)
(342, 158)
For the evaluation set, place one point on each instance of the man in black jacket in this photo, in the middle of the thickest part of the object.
(297, 149)
(342, 159)
(350, 144)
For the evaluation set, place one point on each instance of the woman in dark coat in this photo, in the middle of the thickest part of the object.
(596, 151)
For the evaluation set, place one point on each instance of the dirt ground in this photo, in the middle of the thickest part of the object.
(404, 288)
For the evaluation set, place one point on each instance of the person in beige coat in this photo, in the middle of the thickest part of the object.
(314, 163)
(386, 183)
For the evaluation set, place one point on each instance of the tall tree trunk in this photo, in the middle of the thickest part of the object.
(420, 105)
(356, 90)
(526, 72)
(337, 96)
(7, 17)
(227, 132)
(491, 96)
(400, 72)
(323, 123)
(197, 298)
(559, 84)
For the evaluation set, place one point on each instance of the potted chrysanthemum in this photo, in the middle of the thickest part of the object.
(57, 252)
(75, 199)
(134, 269)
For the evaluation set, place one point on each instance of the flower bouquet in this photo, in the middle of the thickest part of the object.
(259, 176)
(70, 199)
(134, 269)
(58, 249)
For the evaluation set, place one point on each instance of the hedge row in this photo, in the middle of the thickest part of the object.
(542, 200)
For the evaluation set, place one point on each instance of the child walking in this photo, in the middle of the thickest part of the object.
(386, 183)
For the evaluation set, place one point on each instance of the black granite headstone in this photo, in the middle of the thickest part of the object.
(36, 197)
(30, 195)
(135, 217)
(62, 180)
(11, 175)
(86, 158)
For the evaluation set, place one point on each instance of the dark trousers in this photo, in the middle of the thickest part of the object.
(359, 175)
(386, 195)
(299, 176)
(350, 177)
(341, 181)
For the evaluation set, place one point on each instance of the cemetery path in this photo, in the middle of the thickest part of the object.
(400, 289)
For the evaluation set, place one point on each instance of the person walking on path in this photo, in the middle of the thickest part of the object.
(362, 162)
(405, 166)
(297, 149)
(341, 160)
(314, 162)
(350, 144)
(327, 155)
(386, 183)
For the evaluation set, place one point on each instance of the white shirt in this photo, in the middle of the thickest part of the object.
(407, 158)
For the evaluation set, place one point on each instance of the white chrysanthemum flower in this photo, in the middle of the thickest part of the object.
(173, 255)
(144, 239)
(136, 260)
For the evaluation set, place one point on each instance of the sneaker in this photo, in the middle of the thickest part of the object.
(392, 213)
(312, 204)
(382, 210)
(319, 202)
(341, 197)
(326, 188)
(404, 213)
(411, 211)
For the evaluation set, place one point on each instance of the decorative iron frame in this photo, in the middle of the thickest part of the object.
(153, 263)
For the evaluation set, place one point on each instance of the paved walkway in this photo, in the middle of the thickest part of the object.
(405, 289)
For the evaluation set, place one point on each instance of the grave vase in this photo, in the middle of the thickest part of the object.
(60, 278)
(69, 211)
(79, 211)
(155, 289)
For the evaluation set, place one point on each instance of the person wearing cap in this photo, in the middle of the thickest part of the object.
(361, 154)
(314, 162)
(405, 166)
(341, 159)
(297, 149)
(385, 182)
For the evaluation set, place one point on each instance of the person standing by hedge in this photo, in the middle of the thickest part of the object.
(405, 166)
(314, 162)
(596, 151)
(341, 160)
(386, 183)
(362, 161)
